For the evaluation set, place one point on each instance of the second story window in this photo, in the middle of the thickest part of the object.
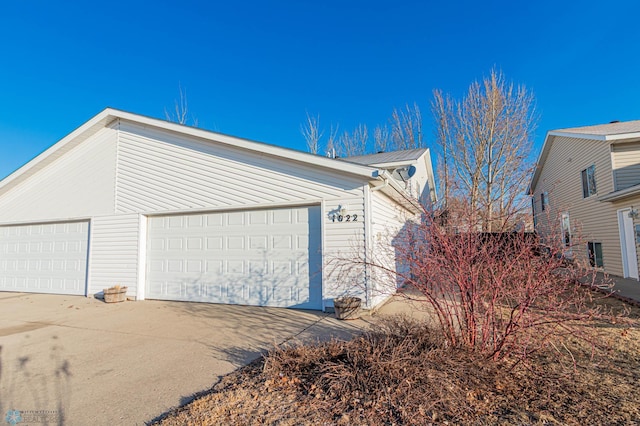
(544, 200)
(589, 181)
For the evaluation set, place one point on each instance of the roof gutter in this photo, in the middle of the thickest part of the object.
(383, 186)
(398, 193)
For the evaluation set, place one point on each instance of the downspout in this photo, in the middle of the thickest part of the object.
(368, 284)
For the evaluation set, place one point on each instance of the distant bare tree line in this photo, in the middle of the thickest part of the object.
(483, 142)
(403, 131)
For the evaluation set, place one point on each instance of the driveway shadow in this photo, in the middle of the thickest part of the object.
(240, 334)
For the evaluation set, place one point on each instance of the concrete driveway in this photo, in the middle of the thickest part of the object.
(126, 363)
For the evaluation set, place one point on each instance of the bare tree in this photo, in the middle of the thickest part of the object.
(485, 141)
(443, 112)
(180, 113)
(381, 139)
(355, 142)
(312, 133)
(403, 132)
(406, 127)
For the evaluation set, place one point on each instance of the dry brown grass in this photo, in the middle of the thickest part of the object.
(402, 373)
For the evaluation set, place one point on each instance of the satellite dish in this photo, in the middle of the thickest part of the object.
(404, 173)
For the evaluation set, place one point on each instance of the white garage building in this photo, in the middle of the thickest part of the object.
(180, 213)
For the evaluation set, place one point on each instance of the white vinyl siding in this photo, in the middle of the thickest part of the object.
(626, 164)
(119, 173)
(81, 183)
(387, 224)
(343, 242)
(114, 253)
(257, 257)
(158, 171)
(44, 258)
(161, 172)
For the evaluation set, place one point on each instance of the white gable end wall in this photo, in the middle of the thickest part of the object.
(77, 185)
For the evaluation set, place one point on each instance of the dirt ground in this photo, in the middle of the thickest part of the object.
(411, 377)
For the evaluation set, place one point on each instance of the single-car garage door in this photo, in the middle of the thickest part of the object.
(44, 258)
(257, 257)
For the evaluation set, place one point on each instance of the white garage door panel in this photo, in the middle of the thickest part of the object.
(44, 258)
(261, 257)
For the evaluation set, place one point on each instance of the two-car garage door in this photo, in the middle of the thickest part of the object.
(268, 257)
(44, 258)
(256, 257)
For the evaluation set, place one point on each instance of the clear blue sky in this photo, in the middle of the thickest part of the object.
(253, 69)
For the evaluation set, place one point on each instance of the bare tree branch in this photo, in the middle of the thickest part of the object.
(312, 133)
(180, 113)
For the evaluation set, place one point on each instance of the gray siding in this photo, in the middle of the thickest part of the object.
(626, 164)
(592, 220)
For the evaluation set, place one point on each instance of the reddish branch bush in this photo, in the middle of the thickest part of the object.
(497, 293)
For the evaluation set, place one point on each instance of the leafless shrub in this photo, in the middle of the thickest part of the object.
(497, 294)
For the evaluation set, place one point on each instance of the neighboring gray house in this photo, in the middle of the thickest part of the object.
(587, 182)
(180, 213)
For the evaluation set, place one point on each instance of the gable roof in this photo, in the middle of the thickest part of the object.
(109, 115)
(394, 159)
(609, 132)
(387, 158)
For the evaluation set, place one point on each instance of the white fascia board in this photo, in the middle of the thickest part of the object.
(612, 137)
(578, 135)
(393, 164)
(431, 177)
(260, 147)
(391, 188)
(538, 166)
(623, 136)
(617, 195)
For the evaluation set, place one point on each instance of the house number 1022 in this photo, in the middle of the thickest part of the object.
(345, 218)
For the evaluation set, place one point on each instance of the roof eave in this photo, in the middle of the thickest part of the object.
(536, 172)
(108, 115)
(623, 136)
(619, 195)
(577, 135)
(262, 148)
(100, 120)
(390, 187)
